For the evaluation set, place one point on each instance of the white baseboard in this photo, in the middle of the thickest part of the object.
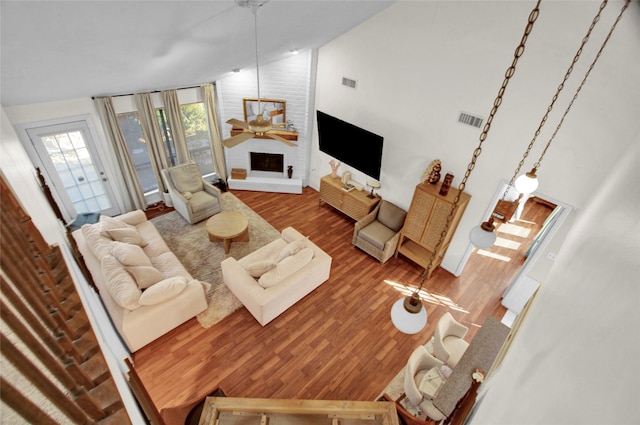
(267, 184)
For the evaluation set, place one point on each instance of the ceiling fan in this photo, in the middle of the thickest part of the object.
(259, 126)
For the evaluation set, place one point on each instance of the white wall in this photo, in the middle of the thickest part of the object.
(418, 64)
(576, 358)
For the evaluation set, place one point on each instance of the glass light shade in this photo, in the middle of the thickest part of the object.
(526, 183)
(482, 238)
(405, 321)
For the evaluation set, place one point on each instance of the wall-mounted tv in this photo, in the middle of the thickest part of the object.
(350, 144)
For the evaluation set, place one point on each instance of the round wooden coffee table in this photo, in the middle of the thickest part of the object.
(227, 227)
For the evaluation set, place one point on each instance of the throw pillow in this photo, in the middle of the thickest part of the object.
(98, 244)
(163, 291)
(129, 255)
(119, 283)
(126, 235)
(292, 248)
(391, 216)
(259, 268)
(145, 276)
(107, 223)
(286, 268)
(187, 195)
(186, 178)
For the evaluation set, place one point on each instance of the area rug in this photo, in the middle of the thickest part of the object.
(202, 258)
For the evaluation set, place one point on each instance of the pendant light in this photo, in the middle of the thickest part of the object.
(409, 315)
(528, 182)
(483, 235)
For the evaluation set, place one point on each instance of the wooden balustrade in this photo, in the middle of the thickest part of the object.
(47, 338)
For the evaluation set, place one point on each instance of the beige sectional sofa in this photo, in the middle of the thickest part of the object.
(144, 287)
(276, 276)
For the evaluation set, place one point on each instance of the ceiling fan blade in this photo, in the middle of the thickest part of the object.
(238, 123)
(237, 139)
(280, 139)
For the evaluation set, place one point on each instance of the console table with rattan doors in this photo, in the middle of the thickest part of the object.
(354, 203)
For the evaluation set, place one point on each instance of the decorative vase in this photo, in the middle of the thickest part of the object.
(334, 168)
(290, 171)
(446, 184)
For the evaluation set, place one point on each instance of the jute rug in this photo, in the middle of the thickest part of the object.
(190, 243)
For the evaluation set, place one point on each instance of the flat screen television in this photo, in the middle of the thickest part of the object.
(349, 144)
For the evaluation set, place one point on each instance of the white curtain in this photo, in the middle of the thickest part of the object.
(214, 130)
(134, 196)
(172, 109)
(153, 137)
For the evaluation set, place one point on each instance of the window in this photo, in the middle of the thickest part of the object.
(196, 129)
(138, 150)
(167, 139)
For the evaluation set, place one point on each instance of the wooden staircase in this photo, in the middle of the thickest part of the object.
(48, 338)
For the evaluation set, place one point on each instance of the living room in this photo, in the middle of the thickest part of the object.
(413, 99)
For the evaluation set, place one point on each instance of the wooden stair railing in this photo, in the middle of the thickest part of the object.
(141, 394)
(47, 337)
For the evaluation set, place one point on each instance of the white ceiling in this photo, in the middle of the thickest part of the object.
(54, 50)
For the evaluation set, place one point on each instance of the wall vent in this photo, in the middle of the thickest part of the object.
(349, 82)
(469, 119)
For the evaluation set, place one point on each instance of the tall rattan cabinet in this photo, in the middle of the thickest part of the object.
(426, 219)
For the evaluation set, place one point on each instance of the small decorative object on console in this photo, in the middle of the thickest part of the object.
(334, 168)
(446, 184)
(373, 184)
(432, 173)
(290, 171)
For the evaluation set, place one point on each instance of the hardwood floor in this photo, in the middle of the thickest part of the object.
(336, 343)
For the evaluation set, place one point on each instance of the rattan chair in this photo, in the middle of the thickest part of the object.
(378, 232)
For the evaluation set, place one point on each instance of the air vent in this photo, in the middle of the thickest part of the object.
(471, 120)
(349, 82)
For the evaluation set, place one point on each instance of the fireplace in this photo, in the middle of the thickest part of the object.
(273, 162)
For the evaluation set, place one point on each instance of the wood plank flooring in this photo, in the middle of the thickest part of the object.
(336, 343)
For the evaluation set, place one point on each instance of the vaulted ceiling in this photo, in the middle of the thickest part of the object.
(54, 50)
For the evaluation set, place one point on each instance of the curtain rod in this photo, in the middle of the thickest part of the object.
(155, 91)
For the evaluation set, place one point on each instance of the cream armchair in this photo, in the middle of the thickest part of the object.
(420, 362)
(193, 197)
(378, 232)
(448, 342)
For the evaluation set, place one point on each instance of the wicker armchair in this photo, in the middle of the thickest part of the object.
(378, 232)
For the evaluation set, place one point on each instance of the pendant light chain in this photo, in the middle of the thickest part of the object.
(255, 25)
(553, 100)
(584, 80)
(483, 136)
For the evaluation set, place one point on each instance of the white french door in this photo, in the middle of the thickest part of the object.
(78, 178)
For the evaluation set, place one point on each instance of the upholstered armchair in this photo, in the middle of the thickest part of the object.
(448, 342)
(419, 365)
(193, 197)
(378, 232)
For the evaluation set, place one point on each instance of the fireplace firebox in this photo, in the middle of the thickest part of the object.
(261, 161)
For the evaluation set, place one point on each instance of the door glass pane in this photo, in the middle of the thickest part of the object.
(71, 159)
(196, 129)
(138, 150)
